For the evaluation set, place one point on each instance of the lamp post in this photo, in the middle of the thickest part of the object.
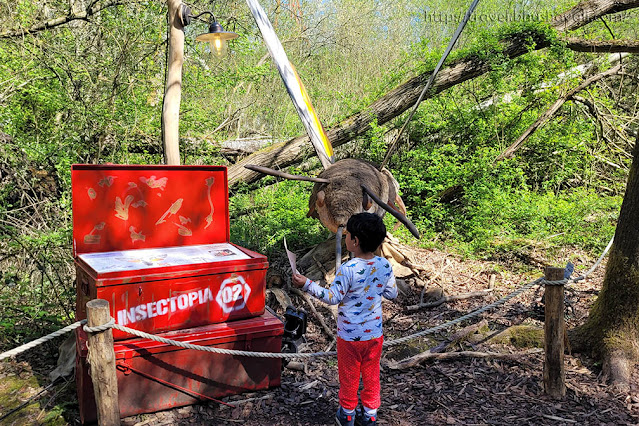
(179, 16)
(173, 86)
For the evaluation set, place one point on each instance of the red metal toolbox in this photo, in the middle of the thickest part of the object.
(154, 376)
(154, 242)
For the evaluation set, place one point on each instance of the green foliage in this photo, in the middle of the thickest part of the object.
(488, 45)
(375, 145)
(91, 91)
(261, 219)
(493, 204)
(35, 299)
(456, 191)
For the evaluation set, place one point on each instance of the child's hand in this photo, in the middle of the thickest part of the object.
(299, 280)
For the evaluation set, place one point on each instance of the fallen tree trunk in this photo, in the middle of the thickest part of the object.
(404, 96)
(587, 11)
(561, 78)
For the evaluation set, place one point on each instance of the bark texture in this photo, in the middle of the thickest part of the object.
(602, 46)
(588, 11)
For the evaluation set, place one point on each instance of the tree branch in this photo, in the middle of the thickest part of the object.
(606, 46)
(424, 356)
(445, 299)
(546, 116)
(589, 10)
(56, 22)
(384, 109)
(319, 317)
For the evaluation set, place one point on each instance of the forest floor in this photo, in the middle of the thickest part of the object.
(475, 385)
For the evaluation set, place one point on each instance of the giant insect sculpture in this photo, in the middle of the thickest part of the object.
(345, 187)
(348, 187)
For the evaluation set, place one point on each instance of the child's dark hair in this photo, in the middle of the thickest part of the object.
(369, 229)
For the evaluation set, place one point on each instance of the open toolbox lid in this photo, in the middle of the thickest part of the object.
(265, 325)
(124, 207)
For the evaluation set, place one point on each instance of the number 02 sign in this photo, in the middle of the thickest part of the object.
(233, 294)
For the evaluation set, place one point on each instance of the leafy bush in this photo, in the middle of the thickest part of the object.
(475, 204)
(260, 219)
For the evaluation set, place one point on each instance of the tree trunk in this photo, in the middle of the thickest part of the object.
(589, 10)
(611, 332)
(404, 96)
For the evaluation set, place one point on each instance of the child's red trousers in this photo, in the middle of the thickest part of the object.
(355, 359)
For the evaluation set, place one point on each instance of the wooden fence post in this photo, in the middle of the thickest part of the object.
(554, 329)
(101, 359)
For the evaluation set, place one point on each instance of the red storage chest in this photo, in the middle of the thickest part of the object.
(154, 242)
(154, 376)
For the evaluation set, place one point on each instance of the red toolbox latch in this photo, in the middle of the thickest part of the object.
(123, 367)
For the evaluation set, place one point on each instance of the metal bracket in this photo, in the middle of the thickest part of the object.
(184, 14)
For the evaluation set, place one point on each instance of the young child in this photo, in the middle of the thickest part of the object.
(358, 287)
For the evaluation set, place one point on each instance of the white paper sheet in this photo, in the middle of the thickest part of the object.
(291, 258)
(126, 260)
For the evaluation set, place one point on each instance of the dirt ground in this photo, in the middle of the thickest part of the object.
(482, 387)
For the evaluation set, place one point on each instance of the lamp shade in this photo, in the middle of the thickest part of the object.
(217, 37)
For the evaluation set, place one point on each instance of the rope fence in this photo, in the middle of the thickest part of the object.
(41, 340)
(233, 352)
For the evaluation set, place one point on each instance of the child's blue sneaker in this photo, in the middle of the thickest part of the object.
(344, 419)
(361, 419)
